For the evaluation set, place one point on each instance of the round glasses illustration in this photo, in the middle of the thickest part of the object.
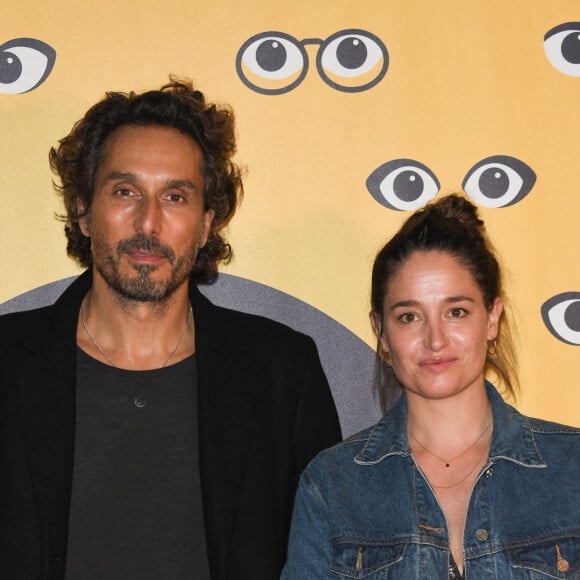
(274, 63)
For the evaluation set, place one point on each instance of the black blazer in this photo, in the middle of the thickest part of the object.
(265, 409)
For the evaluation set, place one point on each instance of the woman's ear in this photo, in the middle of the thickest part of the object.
(493, 318)
(377, 325)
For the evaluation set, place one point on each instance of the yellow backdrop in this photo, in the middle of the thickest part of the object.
(329, 97)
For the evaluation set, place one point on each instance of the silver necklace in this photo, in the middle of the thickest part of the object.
(108, 359)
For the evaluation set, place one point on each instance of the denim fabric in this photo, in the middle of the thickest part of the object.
(364, 509)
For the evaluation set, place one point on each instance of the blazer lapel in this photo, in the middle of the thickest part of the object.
(226, 403)
(47, 406)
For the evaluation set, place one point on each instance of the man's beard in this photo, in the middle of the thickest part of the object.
(142, 287)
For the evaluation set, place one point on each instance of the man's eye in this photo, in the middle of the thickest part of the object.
(457, 312)
(175, 197)
(407, 317)
(123, 192)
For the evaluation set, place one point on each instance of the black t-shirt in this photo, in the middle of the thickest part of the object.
(136, 509)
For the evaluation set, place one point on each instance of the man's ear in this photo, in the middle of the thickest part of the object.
(207, 220)
(84, 221)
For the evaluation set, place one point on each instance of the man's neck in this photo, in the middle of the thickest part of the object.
(135, 335)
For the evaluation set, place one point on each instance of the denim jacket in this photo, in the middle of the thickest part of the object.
(365, 510)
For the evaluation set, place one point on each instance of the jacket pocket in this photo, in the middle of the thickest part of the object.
(551, 558)
(360, 558)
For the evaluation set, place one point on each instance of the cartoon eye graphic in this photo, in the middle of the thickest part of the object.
(499, 181)
(272, 63)
(25, 63)
(403, 184)
(352, 60)
(562, 47)
(561, 315)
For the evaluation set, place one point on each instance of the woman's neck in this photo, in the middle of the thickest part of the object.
(447, 426)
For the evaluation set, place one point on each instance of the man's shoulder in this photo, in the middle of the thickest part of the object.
(16, 326)
(257, 327)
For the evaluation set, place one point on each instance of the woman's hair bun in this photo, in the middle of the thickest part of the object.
(459, 208)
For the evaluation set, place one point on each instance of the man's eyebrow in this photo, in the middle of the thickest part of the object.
(132, 178)
(416, 303)
(182, 183)
(124, 175)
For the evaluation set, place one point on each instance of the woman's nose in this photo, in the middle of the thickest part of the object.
(436, 337)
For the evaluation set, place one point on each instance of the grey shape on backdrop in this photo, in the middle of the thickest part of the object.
(347, 360)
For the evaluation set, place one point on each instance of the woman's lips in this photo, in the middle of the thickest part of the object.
(437, 364)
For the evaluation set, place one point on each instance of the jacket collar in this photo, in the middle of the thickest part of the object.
(512, 438)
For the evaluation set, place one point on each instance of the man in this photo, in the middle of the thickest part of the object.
(144, 432)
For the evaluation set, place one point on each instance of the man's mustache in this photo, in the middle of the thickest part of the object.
(147, 244)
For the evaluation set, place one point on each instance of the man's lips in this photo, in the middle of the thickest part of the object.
(144, 256)
(143, 249)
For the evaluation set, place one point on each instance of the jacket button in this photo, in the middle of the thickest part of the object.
(481, 535)
(563, 565)
(56, 557)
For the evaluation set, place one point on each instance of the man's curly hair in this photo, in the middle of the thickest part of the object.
(176, 105)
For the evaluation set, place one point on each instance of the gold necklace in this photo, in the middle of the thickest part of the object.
(447, 462)
(108, 359)
(464, 477)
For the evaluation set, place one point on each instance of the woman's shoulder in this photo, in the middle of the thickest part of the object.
(557, 444)
(342, 453)
(544, 427)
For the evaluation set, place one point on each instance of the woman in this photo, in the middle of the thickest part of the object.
(452, 482)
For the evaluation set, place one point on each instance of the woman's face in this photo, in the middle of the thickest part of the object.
(435, 326)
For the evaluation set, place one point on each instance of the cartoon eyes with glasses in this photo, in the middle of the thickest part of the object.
(274, 63)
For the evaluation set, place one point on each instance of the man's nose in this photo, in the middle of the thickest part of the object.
(148, 217)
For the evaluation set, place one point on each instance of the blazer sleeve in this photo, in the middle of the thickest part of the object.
(317, 426)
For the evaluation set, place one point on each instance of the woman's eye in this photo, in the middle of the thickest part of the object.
(561, 315)
(25, 63)
(562, 47)
(457, 312)
(403, 184)
(352, 60)
(272, 63)
(499, 181)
